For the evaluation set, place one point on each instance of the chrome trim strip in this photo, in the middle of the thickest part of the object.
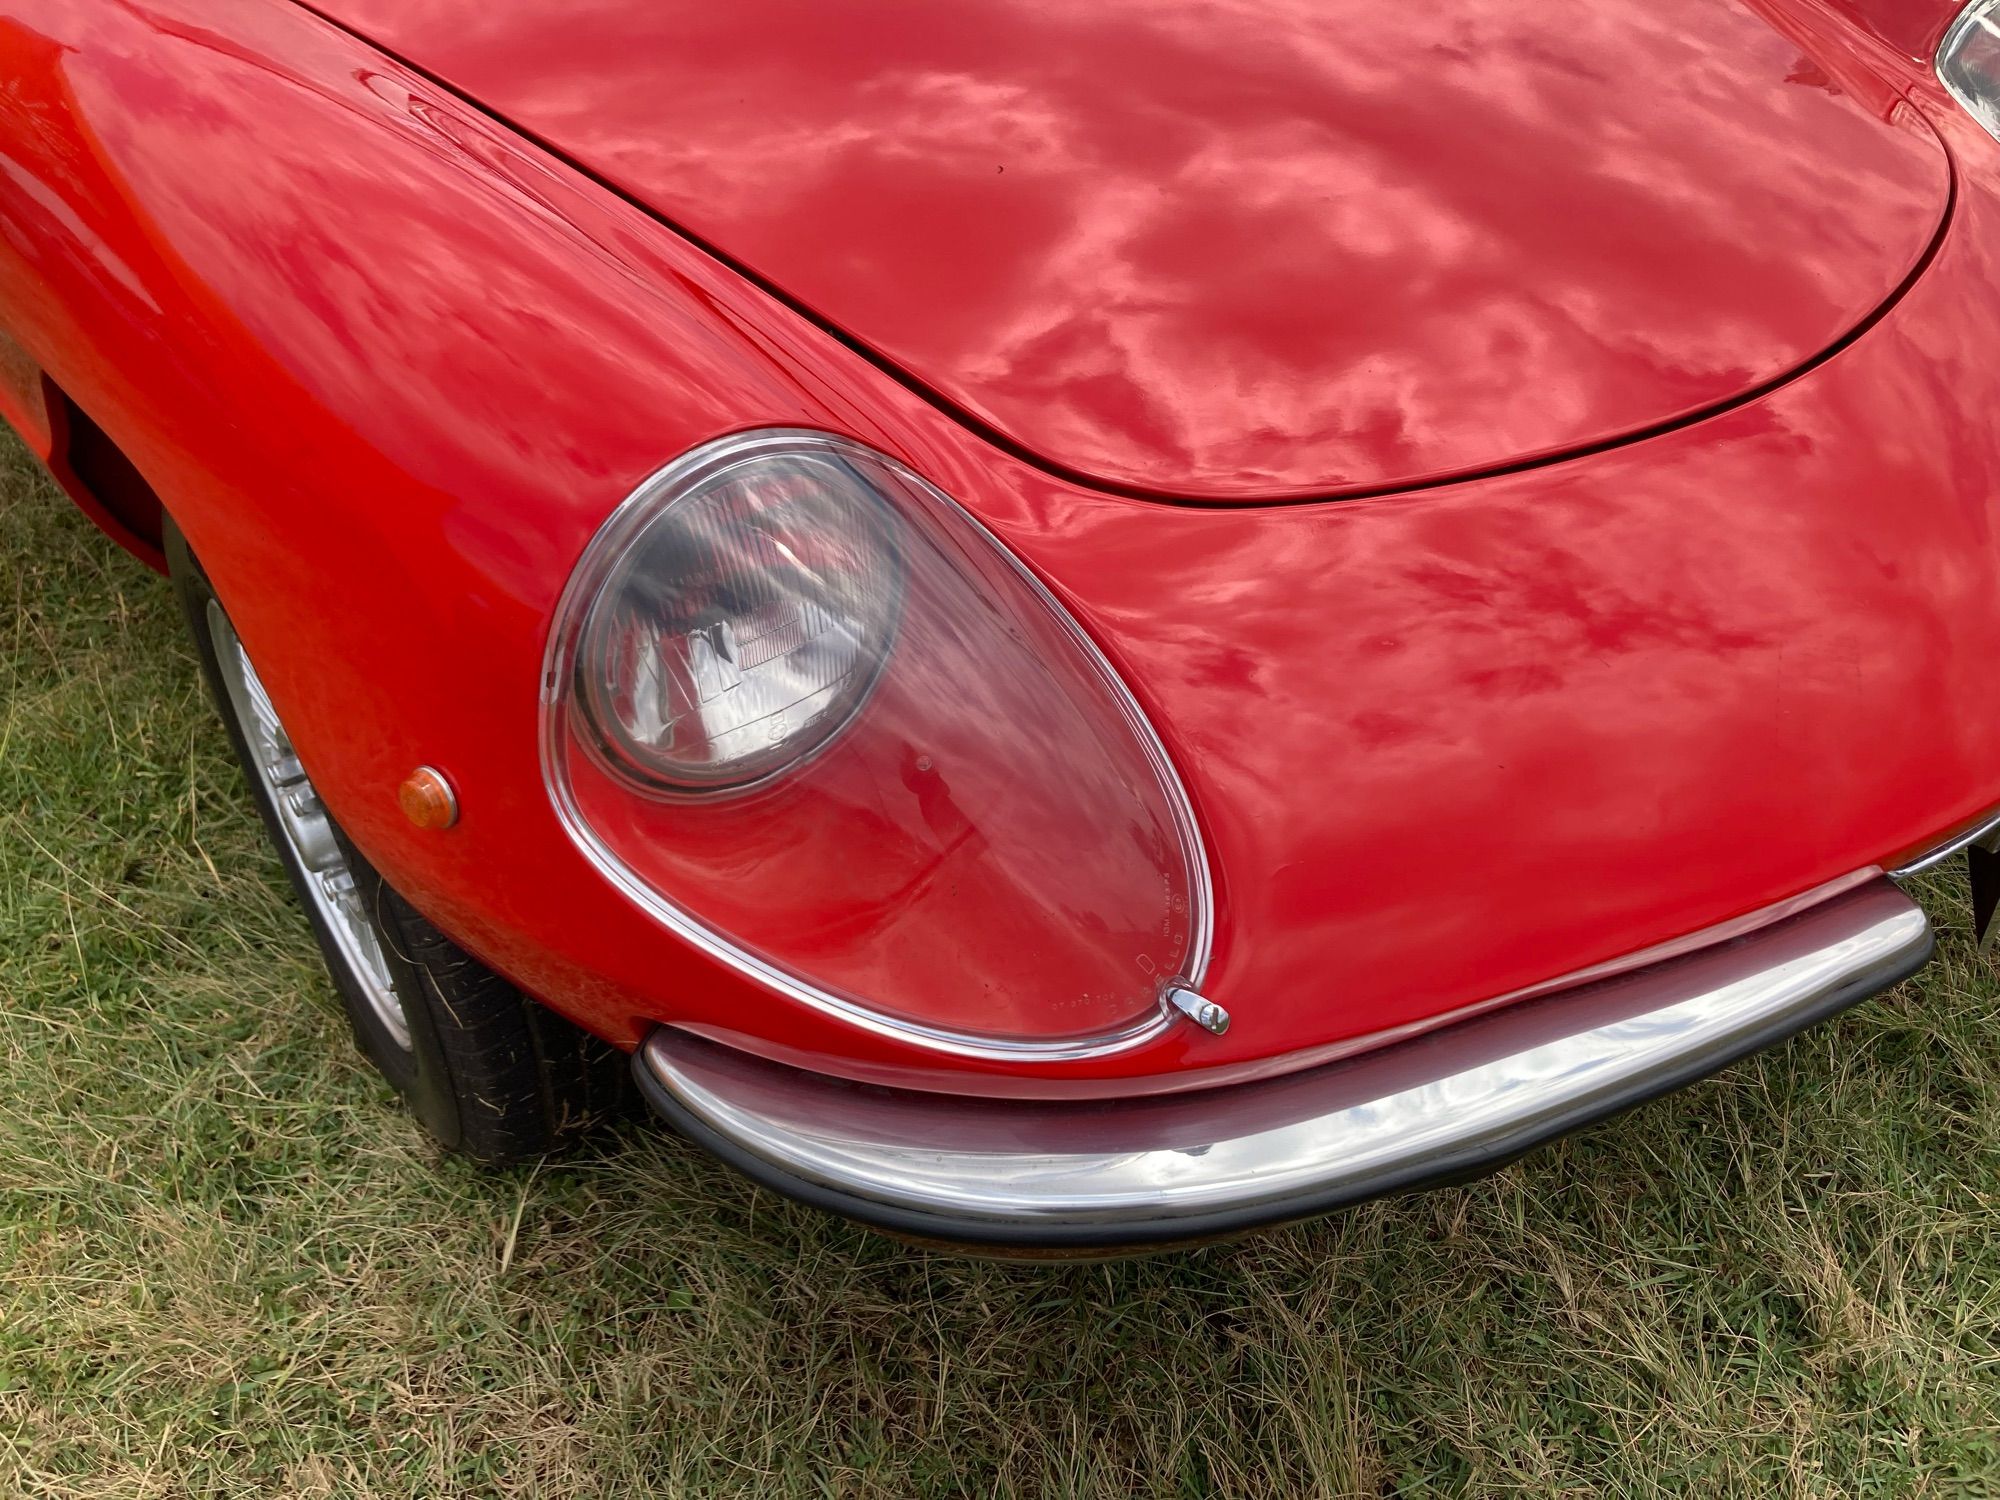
(1985, 833)
(1136, 1170)
(570, 611)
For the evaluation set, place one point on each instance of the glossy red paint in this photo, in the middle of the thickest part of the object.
(1912, 27)
(391, 367)
(1256, 248)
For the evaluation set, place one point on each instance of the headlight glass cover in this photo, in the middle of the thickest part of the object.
(1968, 62)
(741, 627)
(813, 717)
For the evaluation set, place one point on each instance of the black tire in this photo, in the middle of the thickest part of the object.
(490, 1072)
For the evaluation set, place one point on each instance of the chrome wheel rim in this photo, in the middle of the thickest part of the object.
(307, 831)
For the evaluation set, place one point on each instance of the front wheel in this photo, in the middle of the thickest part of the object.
(493, 1074)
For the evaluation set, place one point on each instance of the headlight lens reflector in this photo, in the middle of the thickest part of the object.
(741, 627)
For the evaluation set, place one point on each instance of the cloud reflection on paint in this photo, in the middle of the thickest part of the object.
(1251, 245)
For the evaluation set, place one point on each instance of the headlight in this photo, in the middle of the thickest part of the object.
(736, 621)
(1968, 62)
(812, 716)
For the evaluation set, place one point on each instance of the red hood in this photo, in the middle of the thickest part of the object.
(1242, 248)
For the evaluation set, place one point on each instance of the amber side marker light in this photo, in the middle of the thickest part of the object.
(427, 799)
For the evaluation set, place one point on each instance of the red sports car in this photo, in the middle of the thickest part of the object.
(1078, 625)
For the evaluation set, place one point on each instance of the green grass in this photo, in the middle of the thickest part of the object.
(230, 1265)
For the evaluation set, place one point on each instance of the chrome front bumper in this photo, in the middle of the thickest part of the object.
(1062, 1175)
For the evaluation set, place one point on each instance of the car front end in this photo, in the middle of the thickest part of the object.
(1050, 834)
